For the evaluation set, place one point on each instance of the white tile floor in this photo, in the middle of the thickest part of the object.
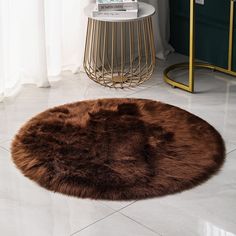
(208, 210)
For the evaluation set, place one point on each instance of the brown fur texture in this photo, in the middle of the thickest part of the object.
(118, 149)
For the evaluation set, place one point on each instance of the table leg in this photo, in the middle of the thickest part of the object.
(231, 35)
(192, 46)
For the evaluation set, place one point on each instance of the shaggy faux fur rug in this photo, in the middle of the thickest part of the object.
(118, 149)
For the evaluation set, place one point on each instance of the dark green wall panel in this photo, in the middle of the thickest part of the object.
(212, 30)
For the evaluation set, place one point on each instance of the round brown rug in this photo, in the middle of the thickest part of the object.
(118, 149)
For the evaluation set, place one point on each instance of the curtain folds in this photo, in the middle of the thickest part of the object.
(161, 25)
(39, 39)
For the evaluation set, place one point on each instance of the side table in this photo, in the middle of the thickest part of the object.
(120, 52)
(192, 64)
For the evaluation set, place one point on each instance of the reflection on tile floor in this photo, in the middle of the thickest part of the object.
(208, 210)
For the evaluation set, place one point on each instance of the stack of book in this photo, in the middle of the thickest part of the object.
(116, 8)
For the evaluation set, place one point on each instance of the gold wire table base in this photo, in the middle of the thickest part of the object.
(192, 65)
(119, 54)
(197, 65)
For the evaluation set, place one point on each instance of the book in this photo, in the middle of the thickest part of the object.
(114, 1)
(115, 5)
(116, 14)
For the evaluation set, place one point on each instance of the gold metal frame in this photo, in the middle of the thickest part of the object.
(192, 65)
(119, 54)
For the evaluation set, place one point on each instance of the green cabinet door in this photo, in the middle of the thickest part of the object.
(212, 30)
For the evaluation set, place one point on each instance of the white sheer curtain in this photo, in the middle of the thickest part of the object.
(40, 38)
(161, 24)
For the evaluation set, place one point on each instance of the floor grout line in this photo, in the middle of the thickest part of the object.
(93, 223)
(2, 142)
(115, 211)
(137, 222)
(231, 151)
(3, 148)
